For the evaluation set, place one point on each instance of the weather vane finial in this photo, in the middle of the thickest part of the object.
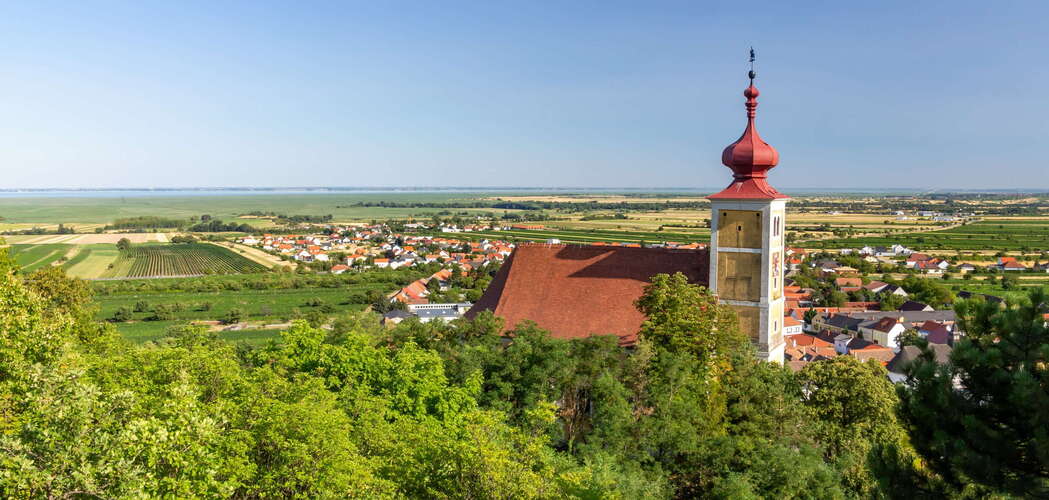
(752, 74)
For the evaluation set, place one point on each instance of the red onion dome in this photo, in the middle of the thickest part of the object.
(750, 159)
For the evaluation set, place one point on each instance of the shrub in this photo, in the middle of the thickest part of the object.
(123, 314)
(233, 316)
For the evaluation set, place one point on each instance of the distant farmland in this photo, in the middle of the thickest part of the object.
(1004, 234)
(590, 236)
(179, 260)
(33, 257)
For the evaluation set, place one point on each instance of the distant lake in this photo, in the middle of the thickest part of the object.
(187, 192)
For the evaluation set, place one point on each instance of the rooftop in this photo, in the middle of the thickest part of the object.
(577, 291)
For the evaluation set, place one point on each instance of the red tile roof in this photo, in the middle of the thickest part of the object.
(848, 282)
(578, 291)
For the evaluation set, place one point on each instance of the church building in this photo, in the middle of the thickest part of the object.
(577, 291)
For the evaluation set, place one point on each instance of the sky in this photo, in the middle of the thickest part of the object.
(924, 95)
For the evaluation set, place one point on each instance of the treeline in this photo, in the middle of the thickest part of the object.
(615, 216)
(292, 218)
(217, 226)
(146, 222)
(61, 229)
(502, 205)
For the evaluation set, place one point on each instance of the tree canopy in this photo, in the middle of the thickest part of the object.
(465, 409)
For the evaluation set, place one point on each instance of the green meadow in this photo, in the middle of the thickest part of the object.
(147, 331)
(33, 257)
(257, 306)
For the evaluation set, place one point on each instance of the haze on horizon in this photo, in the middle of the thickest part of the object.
(931, 95)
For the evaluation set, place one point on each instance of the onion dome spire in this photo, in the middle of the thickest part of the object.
(750, 158)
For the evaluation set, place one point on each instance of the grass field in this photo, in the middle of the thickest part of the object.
(265, 306)
(1031, 234)
(92, 261)
(33, 257)
(179, 260)
(256, 304)
(146, 331)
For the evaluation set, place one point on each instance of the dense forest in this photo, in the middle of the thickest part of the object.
(454, 411)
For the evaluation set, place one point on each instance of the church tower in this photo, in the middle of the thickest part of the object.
(746, 238)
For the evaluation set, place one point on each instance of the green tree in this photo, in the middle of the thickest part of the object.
(984, 417)
(890, 301)
(854, 407)
(124, 244)
(232, 316)
(682, 317)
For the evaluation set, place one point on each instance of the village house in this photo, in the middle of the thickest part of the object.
(875, 286)
(885, 331)
(913, 305)
(1010, 264)
(931, 266)
(899, 364)
(936, 333)
(791, 326)
(440, 312)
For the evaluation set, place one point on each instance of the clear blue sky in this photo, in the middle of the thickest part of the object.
(643, 94)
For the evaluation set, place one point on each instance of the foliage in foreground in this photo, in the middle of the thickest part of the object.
(984, 417)
(437, 411)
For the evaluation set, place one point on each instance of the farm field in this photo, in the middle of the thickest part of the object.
(179, 260)
(257, 255)
(590, 236)
(86, 239)
(266, 306)
(100, 260)
(1012, 234)
(98, 210)
(33, 257)
(91, 261)
(256, 304)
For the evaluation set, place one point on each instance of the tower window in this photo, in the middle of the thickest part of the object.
(775, 226)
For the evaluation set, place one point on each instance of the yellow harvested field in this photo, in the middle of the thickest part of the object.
(96, 263)
(86, 239)
(256, 255)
